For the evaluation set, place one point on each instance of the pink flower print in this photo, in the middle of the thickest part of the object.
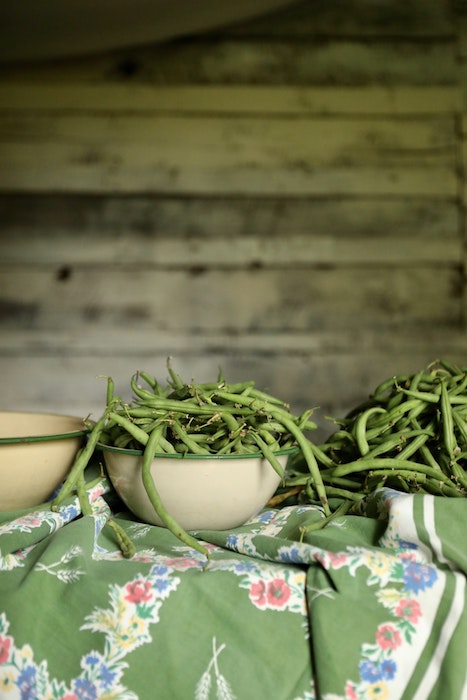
(350, 693)
(138, 592)
(388, 637)
(274, 594)
(337, 560)
(182, 563)
(5, 644)
(409, 609)
(258, 594)
(29, 521)
(278, 593)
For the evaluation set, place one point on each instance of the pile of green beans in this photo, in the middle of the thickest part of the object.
(182, 419)
(410, 435)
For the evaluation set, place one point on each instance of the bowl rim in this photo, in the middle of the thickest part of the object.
(102, 447)
(25, 439)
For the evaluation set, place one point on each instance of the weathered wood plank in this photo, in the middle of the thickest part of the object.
(96, 153)
(461, 31)
(223, 61)
(440, 339)
(200, 300)
(232, 99)
(68, 231)
(413, 18)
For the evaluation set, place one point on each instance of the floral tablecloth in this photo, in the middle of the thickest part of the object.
(367, 607)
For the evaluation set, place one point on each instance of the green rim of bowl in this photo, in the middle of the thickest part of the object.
(21, 440)
(189, 455)
(43, 438)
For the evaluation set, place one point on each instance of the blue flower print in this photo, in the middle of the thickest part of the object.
(91, 659)
(418, 577)
(388, 669)
(84, 689)
(160, 584)
(243, 567)
(291, 555)
(27, 683)
(107, 676)
(406, 544)
(369, 671)
(265, 516)
(232, 540)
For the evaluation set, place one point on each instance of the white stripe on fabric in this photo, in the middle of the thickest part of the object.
(464, 689)
(450, 623)
(429, 522)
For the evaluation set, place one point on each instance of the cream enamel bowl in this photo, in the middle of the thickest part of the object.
(36, 453)
(201, 493)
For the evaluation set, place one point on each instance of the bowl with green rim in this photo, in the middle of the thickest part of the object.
(36, 453)
(201, 492)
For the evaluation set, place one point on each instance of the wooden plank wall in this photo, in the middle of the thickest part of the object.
(284, 199)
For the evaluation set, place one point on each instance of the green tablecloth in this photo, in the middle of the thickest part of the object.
(367, 607)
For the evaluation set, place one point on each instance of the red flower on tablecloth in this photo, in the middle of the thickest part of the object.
(5, 644)
(336, 560)
(278, 593)
(388, 637)
(409, 609)
(138, 591)
(272, 594)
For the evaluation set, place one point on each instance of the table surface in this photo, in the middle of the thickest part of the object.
(370, 606)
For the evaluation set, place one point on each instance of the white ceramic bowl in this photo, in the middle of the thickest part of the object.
(36, 453)
(201, 493)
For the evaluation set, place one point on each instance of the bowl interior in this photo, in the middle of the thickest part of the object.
(16, 426)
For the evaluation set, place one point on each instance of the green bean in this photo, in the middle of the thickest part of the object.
(110, 391)
(127, 547)
(268, 437)
(342, 509)
(320, 456)
(451, 368)
(459, 475)
(460, 386)
(388, 384)
(80, 463)
(428, 397)
(389, 464)
(269, 454)
(255, 404)
(263, 396)
(460, 424)
(155, 499)
(310, 459)
(231, 422)
(413, 447)
(83, 495)
(360, 428)
(447, 422)
(192, 445)
(394, 400)
(176, 382)
(393, 417)
(388, 445)
(185, 408)
(138, 433)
